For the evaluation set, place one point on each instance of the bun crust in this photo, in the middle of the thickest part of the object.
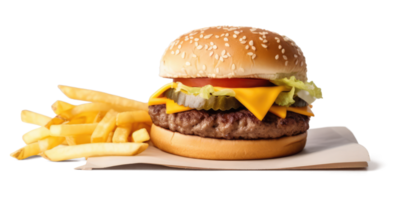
(217, 149)
(233, 52)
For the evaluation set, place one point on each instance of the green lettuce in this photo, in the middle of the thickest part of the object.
(307, 91)
(205, 92)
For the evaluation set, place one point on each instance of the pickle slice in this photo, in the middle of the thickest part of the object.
(214, 102)
(298, 102)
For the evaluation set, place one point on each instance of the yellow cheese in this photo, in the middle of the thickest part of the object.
(301, 110)
(279, 111)
(157, 101)
(173, 107)
(258, 100)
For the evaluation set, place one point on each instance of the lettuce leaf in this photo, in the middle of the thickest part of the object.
(205, 92)
(308, 91)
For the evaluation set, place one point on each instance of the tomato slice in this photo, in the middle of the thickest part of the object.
(224, 82)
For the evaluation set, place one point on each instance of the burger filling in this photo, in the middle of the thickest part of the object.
(233, 124)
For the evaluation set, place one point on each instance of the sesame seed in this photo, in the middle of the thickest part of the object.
(236, 32)
(186, 39)
(251, 43)
(284, 57)
(194, 33)
(206, 46)
(183, 54)
(244, 37)
(196, 39)
(253, 29)
(201, 36)
(216, 56)
(208, 36)
(194, 56)
(228, 54)
(200, 47)
(190, 41)
(233, 66)
(277, 40)
(221, 59)
(234, 36)
(295, 55)
(172, 52)
(286, 63)
(223, 52)
(210, 48)
(187, 63)
(243, 42)
(196, 44)
(225, 39)
(261, 38)
(227, 34)
(179, 46)
(212, 43)
(283, 50)
(254, 56)
(297, 62)
(177, 52)
(265, 41)
(302, 63)
(263, 45)
(264, 36)
(191, 38)
(211, 53)
(241, 39)
(215, 47)
(280, 47)
(247, 47)
(225, 56)
(226, 44)
(253, 47)
(217, 36)
(277, 57)
(217, 70)
(204, 67)
(250, 53)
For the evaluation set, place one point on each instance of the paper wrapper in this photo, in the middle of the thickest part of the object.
(326, 148)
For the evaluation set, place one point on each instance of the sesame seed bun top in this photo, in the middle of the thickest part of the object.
(233, 52)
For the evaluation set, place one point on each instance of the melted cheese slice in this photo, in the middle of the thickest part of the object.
(258, 100)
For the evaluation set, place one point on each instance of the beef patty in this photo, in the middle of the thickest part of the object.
(232, 124)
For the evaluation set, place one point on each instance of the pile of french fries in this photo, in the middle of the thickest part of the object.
(108, 126)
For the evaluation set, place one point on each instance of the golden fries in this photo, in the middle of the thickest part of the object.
(34, 118)
(61, 106)
(88, 129)
(140, 136)
(121, 134)
(105, 126)
(132, 117)
(36, 135)
(72, 129)
(92, 150)
(101, 97)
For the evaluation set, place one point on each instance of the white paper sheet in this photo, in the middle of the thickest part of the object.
(326, 148)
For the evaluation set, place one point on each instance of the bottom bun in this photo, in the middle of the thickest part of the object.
(219, 149)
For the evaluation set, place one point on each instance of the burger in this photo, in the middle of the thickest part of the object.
(237, 93)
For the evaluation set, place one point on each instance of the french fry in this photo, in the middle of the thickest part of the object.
(132, 117)
(105, 126)
(140, 136)
(110, 136)
(37, 147)
(72, 129)
(54, 121)
(92, 150)
(82, 118)
(61, 106)
(34, 118)
(121, 134)
(36, 135)
(90, 107)
(99, 117)
(79, 139)
(101, 97)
